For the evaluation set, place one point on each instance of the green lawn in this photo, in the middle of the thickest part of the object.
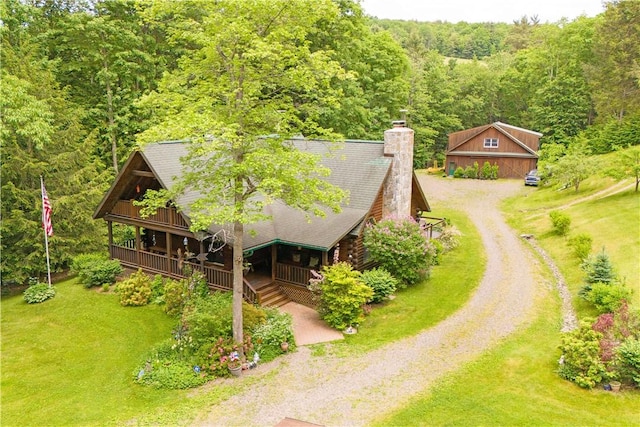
(612, 221)
(419, 307)
(70, 360)
(515, 385)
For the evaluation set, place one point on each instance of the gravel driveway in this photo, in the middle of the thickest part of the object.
(338, 392)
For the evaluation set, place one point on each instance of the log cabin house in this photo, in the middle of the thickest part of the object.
(513, 149)
(280, 253)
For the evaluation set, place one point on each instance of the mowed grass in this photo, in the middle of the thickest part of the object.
(71, 360)
(421, 306)
(613, 222)
(515, 384)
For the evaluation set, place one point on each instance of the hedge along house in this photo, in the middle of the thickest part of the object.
(279, 253)
(513, 149)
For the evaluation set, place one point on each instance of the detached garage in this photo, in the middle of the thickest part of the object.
(513, 149)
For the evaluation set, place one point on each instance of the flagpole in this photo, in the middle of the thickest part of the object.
(44, 228)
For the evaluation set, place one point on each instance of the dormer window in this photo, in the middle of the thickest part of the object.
(491, 143)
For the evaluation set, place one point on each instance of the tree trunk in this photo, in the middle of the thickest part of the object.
(238, 230)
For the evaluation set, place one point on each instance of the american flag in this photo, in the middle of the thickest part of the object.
(46, 213)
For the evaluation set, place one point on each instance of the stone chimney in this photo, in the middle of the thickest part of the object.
(398, 143)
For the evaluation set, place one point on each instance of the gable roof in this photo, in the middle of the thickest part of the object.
(359, 167)
(503, 128)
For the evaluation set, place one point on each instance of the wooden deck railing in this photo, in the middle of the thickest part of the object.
(216, 277)
(126, 256)
(293, 274)
(165, 216)
(428, 224)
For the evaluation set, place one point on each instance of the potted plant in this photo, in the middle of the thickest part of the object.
(615, 385)
(234, 364)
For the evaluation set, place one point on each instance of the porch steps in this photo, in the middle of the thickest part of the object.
(271, 296)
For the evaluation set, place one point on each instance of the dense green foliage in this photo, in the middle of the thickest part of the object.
(401, 247)
(580, 361)
(629, 359)
(38, 293)
(561, 222)
(135, 290)
(381, 282)
(95, 269)
(81, 80)
(341, 295)
(202, 345)
(607, 297)
(581, 244)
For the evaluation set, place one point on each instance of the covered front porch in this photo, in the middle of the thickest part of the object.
(273, 275)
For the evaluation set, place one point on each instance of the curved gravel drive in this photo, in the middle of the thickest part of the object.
(335, 391)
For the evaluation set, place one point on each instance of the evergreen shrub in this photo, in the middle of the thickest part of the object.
(580, 360)
(628, 359)
(135, 290)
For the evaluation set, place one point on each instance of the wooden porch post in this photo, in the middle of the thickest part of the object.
(169, 250)
(201, 252)
(274, 260)
(325, 257)
(138, 256)
(110, 234)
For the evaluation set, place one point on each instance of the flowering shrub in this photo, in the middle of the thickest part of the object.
(449, 237)
(216, 358)
(268, 336)
(607, 349)
(38, 293)
(400, 247)
(342, 295)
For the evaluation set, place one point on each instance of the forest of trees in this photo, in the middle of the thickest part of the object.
(77, 76)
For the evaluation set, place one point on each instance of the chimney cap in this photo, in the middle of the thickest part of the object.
(399, 123)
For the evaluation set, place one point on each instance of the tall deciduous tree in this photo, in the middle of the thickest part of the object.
(108, 57)
(614, 71)
(251, 84)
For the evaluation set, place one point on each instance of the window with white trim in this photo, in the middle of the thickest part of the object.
(491, 143)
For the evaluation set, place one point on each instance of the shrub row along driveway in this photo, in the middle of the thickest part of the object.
(339, 391)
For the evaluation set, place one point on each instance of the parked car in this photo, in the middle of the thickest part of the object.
(532, 178)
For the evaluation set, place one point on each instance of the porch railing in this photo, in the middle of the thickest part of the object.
(216, 277)
(293, 274)
(430, 225)
(165, 216)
